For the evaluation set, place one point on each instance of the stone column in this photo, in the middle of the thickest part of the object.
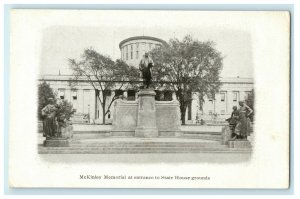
(174, 96)
(146, 118)
(125, 94)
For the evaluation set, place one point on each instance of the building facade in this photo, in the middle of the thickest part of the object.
(85, 98)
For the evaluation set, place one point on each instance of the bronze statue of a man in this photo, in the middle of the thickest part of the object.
(145, 66)
(49, 124)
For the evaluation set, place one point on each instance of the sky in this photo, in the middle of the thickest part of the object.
(68, 40)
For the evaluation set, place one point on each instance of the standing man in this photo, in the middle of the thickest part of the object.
(145, 66)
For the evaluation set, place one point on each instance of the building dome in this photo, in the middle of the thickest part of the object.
(134, 48)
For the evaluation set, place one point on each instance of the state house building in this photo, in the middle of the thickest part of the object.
(85, 101)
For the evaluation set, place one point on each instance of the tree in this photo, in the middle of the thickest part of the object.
(103, 74)
(189, 66)
(65, 110)
(44, 93)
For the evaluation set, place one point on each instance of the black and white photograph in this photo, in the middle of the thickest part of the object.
(150, 98)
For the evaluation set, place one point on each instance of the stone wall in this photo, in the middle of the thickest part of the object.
(124, 117)
(126, 112)
(168, 117)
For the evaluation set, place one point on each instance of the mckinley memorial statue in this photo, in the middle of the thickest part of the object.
(146, 117)
(145, 67)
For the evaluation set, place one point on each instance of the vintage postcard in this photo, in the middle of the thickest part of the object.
(149, 99)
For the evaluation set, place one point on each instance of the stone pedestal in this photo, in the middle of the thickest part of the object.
(239, 144)
(226, 135)
(146, 117)
(56, 142)
(62, 141)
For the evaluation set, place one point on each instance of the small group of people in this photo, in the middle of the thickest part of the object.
(239, 121)
(51, 123)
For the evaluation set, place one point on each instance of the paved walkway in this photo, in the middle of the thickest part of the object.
(178, 158)
(135, 139)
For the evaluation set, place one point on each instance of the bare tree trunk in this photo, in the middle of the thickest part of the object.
(182, 111)
(103, 116)
(183, 105)
(103, 109)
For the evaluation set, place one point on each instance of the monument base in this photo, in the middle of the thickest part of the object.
(56, 142)
(239, 144)
(146, 117)
(149, 132)
(226, 135)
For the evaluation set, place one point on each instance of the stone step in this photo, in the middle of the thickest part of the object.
(185, 142)
(120, 141)
(203, 132)
(203, 136)
(138, 150)
(139, 147)
(147, 145)
(90, 135)
(186, 134)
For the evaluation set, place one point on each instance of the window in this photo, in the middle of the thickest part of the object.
(118, 93)
(235, 96)
(61, 93)
(247, 94)
(107, 93)
(131, 95)
(210, 97)
(137, 50)
(168, 96)
(131, 51)
(74, 95)
(158, 95)
(126, 52)
(222, 97)
(150, 46)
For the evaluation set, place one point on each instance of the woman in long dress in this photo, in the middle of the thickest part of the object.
(243, 127)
